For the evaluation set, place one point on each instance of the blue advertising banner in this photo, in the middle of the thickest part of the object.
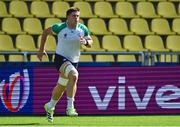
(16, 91)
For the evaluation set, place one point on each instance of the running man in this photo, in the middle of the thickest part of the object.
(71, 35)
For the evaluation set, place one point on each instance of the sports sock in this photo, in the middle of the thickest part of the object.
(52, 103)
(70, 102)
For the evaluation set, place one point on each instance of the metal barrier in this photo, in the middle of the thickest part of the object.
(146, 58)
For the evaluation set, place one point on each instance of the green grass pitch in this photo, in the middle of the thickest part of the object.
(95, 121)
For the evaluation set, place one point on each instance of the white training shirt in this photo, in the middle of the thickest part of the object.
(69, 40)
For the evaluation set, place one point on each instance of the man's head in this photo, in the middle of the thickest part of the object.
(72, 14)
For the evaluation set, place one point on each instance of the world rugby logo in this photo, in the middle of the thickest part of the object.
(14, 94)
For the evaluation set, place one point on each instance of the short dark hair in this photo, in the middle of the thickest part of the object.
(71, 9)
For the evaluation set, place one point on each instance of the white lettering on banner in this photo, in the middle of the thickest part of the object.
(163, 100)
(102, 104)
(141, 104)
(160, 98)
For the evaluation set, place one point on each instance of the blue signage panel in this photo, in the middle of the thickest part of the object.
(16, 90)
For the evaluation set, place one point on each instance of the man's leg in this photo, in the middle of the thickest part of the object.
(72, 74)
(56, 95)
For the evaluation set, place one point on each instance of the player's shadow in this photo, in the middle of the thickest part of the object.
(24, 124)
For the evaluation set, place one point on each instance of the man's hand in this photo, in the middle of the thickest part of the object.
(83, 41)
(41, 53)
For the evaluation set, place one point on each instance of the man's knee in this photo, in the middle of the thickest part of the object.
(73, 75)
(69, 70)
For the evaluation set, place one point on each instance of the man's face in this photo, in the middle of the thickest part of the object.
(73, 17)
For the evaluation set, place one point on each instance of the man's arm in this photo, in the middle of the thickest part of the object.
(87, 41)
(41, 51)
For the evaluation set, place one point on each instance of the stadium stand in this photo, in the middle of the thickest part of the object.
(33, 58)
(16, 58)
(40, 9)
(104, 10)
(99, 23)
(140, 26)
(126, 58)
(168, 58)
(133, 43)
(50, 21)
(112, 43)
(155, 43)
(167, 10)
(32, 26)
(2, 58)
(50, 45)
(25, 43)
(12, 26)
(59, 8)
(125, 10)
(146, 10)
(161, 26)
(6, 44)
(117, 26)
(172, 43)
(116, 23)
(176, 25)
(86, 58)
(19, 9)
(105, 58)
(85, 7)
(3, 10)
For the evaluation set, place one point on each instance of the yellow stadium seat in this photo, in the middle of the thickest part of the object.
(126, 58)
(3, 10)
(50, 21)
(114, 0)
(93, 0)
(174, 0)
(173, 43)
(125, 10)
(85, 8)
(179, 8)
(25, 43)
(34, 58)
(118, 26)
(161, 26)
(104, 10)
(2, 58)
(59, 8)
(86, 58)
(40, 9)
(140, 26)
(12, 26)
(133, 43)
(176, 25)
(97, 26)
(155, 43)
(168, 58)
(72, 0)
(135, 0)
(167, 10)
(50, 43)
(146, 10)
(112, 43)
(95, 46)
(19, 9)
(16, 58)
(32, 26)
(105, 58)
(6, 44)
(156, 0)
